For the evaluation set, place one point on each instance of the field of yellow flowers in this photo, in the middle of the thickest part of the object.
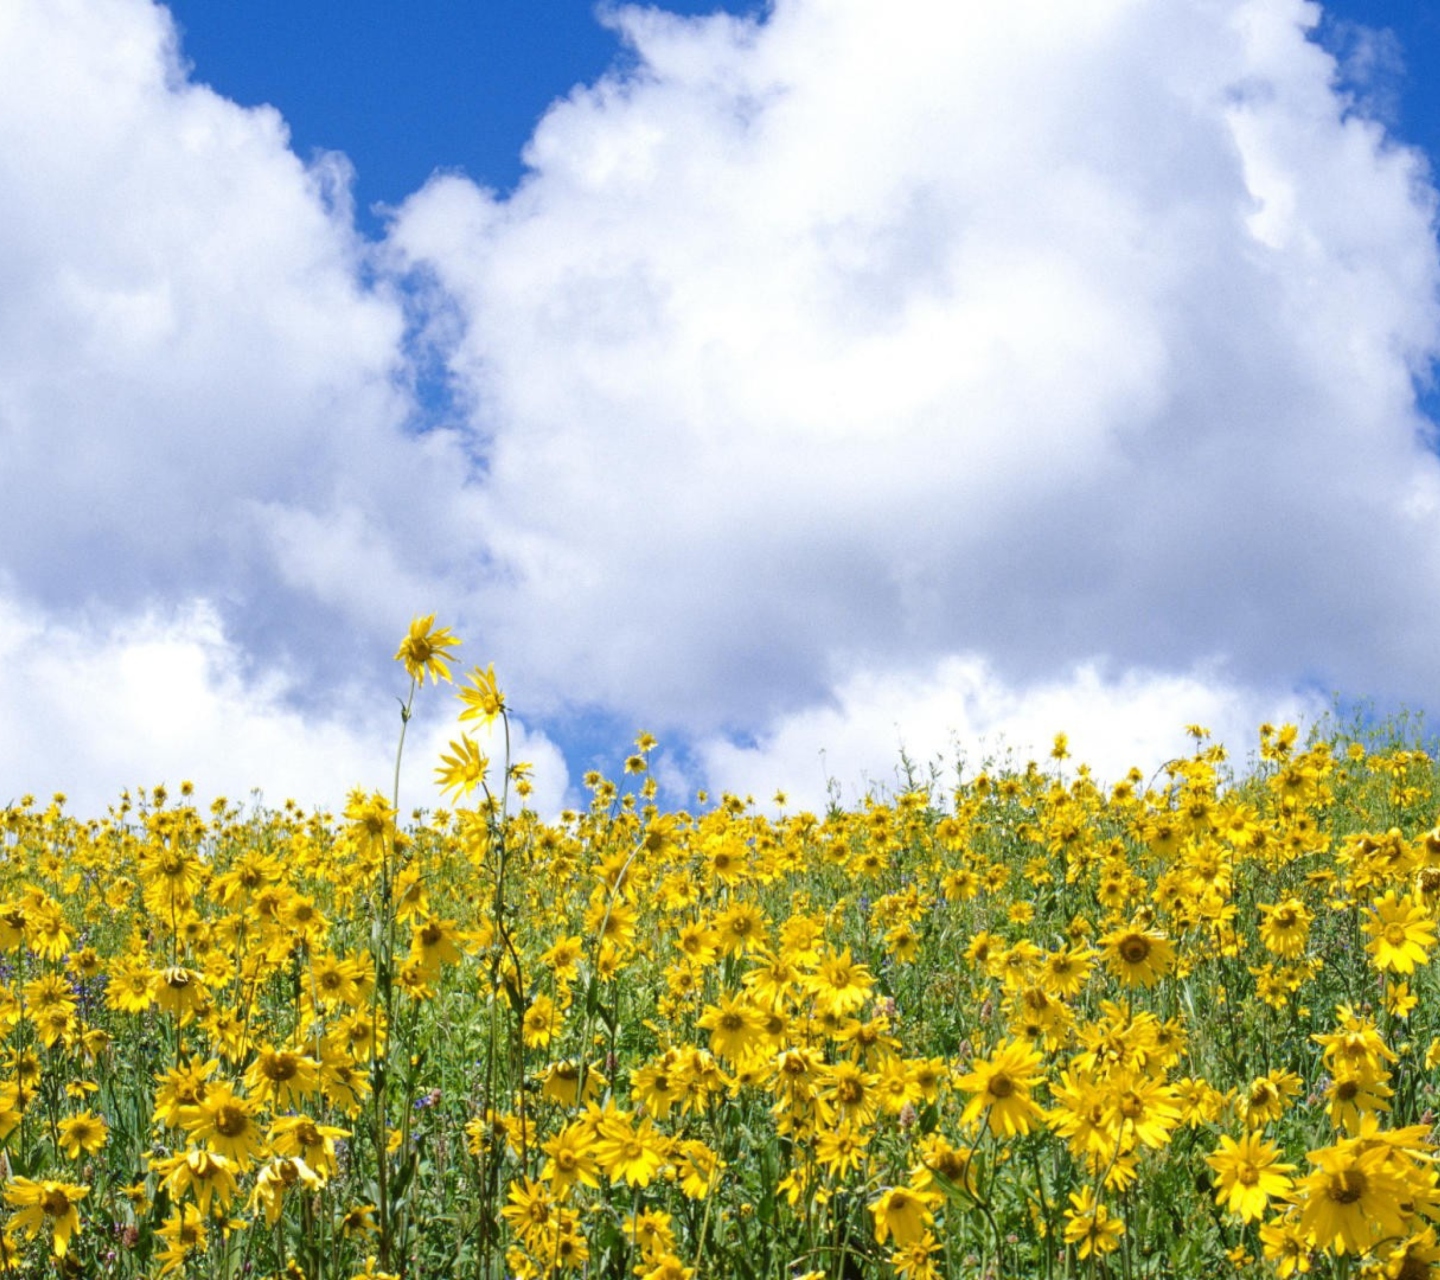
(1003, 1024)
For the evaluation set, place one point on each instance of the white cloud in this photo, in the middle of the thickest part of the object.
(192, 372)
(869, 336)
(165, 697)
(960, 713)
(965, 347)
(213, 507)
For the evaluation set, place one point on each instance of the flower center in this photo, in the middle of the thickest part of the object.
(1135, 949)
(951, 1165)
(281, 1067)
(55, 1202)
(1001, 1086)
(1347, 1187)
(231, 1121)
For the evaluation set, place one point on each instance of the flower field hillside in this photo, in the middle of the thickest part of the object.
(1008, 1022)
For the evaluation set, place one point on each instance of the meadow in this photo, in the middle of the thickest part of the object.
(1002, 1021)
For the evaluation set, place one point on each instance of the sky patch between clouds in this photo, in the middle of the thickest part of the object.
(825, 374)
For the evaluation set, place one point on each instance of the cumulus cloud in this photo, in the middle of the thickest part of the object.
(862, 338)
(958, 716)
(1064, 352)
(168, 697)
(215, 517)
(200, 395)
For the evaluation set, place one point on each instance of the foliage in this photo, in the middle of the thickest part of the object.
(1019, 1026)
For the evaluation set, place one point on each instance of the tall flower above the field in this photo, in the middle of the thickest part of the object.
(1401, 934)
(1138, 957)
(42, 1202)
(1001, 1086)
(464, 769)
(483, 699)
(423, 651)
(1250, 1174)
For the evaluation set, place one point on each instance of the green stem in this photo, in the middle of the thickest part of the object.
(385, 990)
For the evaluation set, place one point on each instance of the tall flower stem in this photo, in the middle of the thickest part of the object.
(384, 943)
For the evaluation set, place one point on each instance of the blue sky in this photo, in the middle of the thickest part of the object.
(798, 383)
(411, 89)
(1415, 27)
(404, 89)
